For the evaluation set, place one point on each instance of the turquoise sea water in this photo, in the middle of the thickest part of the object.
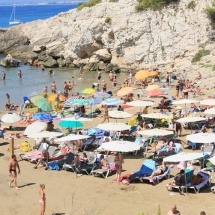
(28, 13)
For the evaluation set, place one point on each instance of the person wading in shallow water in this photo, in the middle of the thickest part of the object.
(13, 165)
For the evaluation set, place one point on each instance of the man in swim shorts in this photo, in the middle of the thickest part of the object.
(13, 165)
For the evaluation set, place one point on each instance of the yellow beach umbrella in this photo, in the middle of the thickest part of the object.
(88, 91)
(152, 87)
(125, 91)
(52, 98)
(132, 122)
(143, 74)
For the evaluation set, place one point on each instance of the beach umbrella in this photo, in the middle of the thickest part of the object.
(114, 126)
(44, 105)
(102, 95)
(140, 103)
(210, 111)
(201, 138)
(76, 118)
(184, 101)
(125, 91)
(191, 119)
(183, 157)
(52, 98)
(152, 87)
(80, 102)
(155, 132)
(35, 127)
(212, 160)
(69, 101)
(10, 118)
(143, 74)
(119, 114)
(45, 134)
(94, 101)
(88, 91)
(70, 124)
(71, 137)
(42, 116)
(210, 102)
(112, 101)
(157, 116)
(37, 98)
(120, 146)
(155, 92)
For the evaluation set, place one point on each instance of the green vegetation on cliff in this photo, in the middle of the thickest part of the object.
(201, 53)
(210, 11)
(90, 3)
(153, 4)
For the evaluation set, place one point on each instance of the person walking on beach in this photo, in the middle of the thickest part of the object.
(3, 75)
(118, 160)
(173, 211)
(20, 74)
(42, 199)
(13, 165)
(105, 114)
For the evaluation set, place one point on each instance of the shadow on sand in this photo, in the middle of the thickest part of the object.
(26, 185)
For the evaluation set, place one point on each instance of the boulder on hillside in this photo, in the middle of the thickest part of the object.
(39, 49)
(103, 55)
(50, 63)
(9, 61)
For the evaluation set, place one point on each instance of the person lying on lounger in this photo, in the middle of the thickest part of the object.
(159, 145)
(196, 179)
(160, 170)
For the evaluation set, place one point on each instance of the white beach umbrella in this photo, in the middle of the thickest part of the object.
(71, 137)
(183, 157)
(184, 101)
(45, 134)
(119, 114)
(114, 126)
(208, 102)
(120, 146)
(10, 118)
(191, 119)
(157, 132)
(201, 137)
(212, 160)
(210, 111)
(35, 127)
(156, 116)
(140, 103)
(112, 101)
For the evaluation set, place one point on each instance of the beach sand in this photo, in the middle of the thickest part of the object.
(94, 195)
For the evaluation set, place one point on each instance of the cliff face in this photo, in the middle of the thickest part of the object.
(115, 33)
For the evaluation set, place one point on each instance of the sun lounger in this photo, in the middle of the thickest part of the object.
(105, 172)
(89, 142)
(32, 155)
(196, 188)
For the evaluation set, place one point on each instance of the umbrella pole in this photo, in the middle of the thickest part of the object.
(12, 146)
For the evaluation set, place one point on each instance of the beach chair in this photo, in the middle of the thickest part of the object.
(187, 177)
(88, 142)
(32, 155)
(156, 179)
(141, 141)
(206, 176)
(148, 166)
(105, 172)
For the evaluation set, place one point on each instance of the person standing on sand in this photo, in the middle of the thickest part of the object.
(105, 114)
(118, 160)
(13, 165)
(42, 199)
(173, 211)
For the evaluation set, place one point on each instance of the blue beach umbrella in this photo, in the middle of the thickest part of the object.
(80, 102)
(94, 101)
(102, 95)
(42, 116)
(71, 124)
(112, 101)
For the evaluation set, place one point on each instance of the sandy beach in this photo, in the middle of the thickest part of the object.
(88, 195)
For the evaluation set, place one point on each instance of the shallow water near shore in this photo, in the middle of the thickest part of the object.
(34, 79)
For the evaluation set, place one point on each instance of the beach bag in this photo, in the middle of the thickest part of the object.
(53, 166)
(25, 147)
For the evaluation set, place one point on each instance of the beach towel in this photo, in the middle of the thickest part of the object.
(53, 166)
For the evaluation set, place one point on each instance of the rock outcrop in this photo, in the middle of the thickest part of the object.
(9, 61)
(168, 38)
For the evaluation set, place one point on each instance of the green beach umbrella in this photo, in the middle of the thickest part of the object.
(80, 102)
(71, 124)
(35, 98)
(44, 105)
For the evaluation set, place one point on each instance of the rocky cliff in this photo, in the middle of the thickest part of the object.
(114, 33)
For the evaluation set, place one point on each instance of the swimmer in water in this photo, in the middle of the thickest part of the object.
(20, 74)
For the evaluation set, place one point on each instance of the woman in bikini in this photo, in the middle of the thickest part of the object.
(160, 170)
(42, 200)
(118, 160)
(105, 114)
(103, 163)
